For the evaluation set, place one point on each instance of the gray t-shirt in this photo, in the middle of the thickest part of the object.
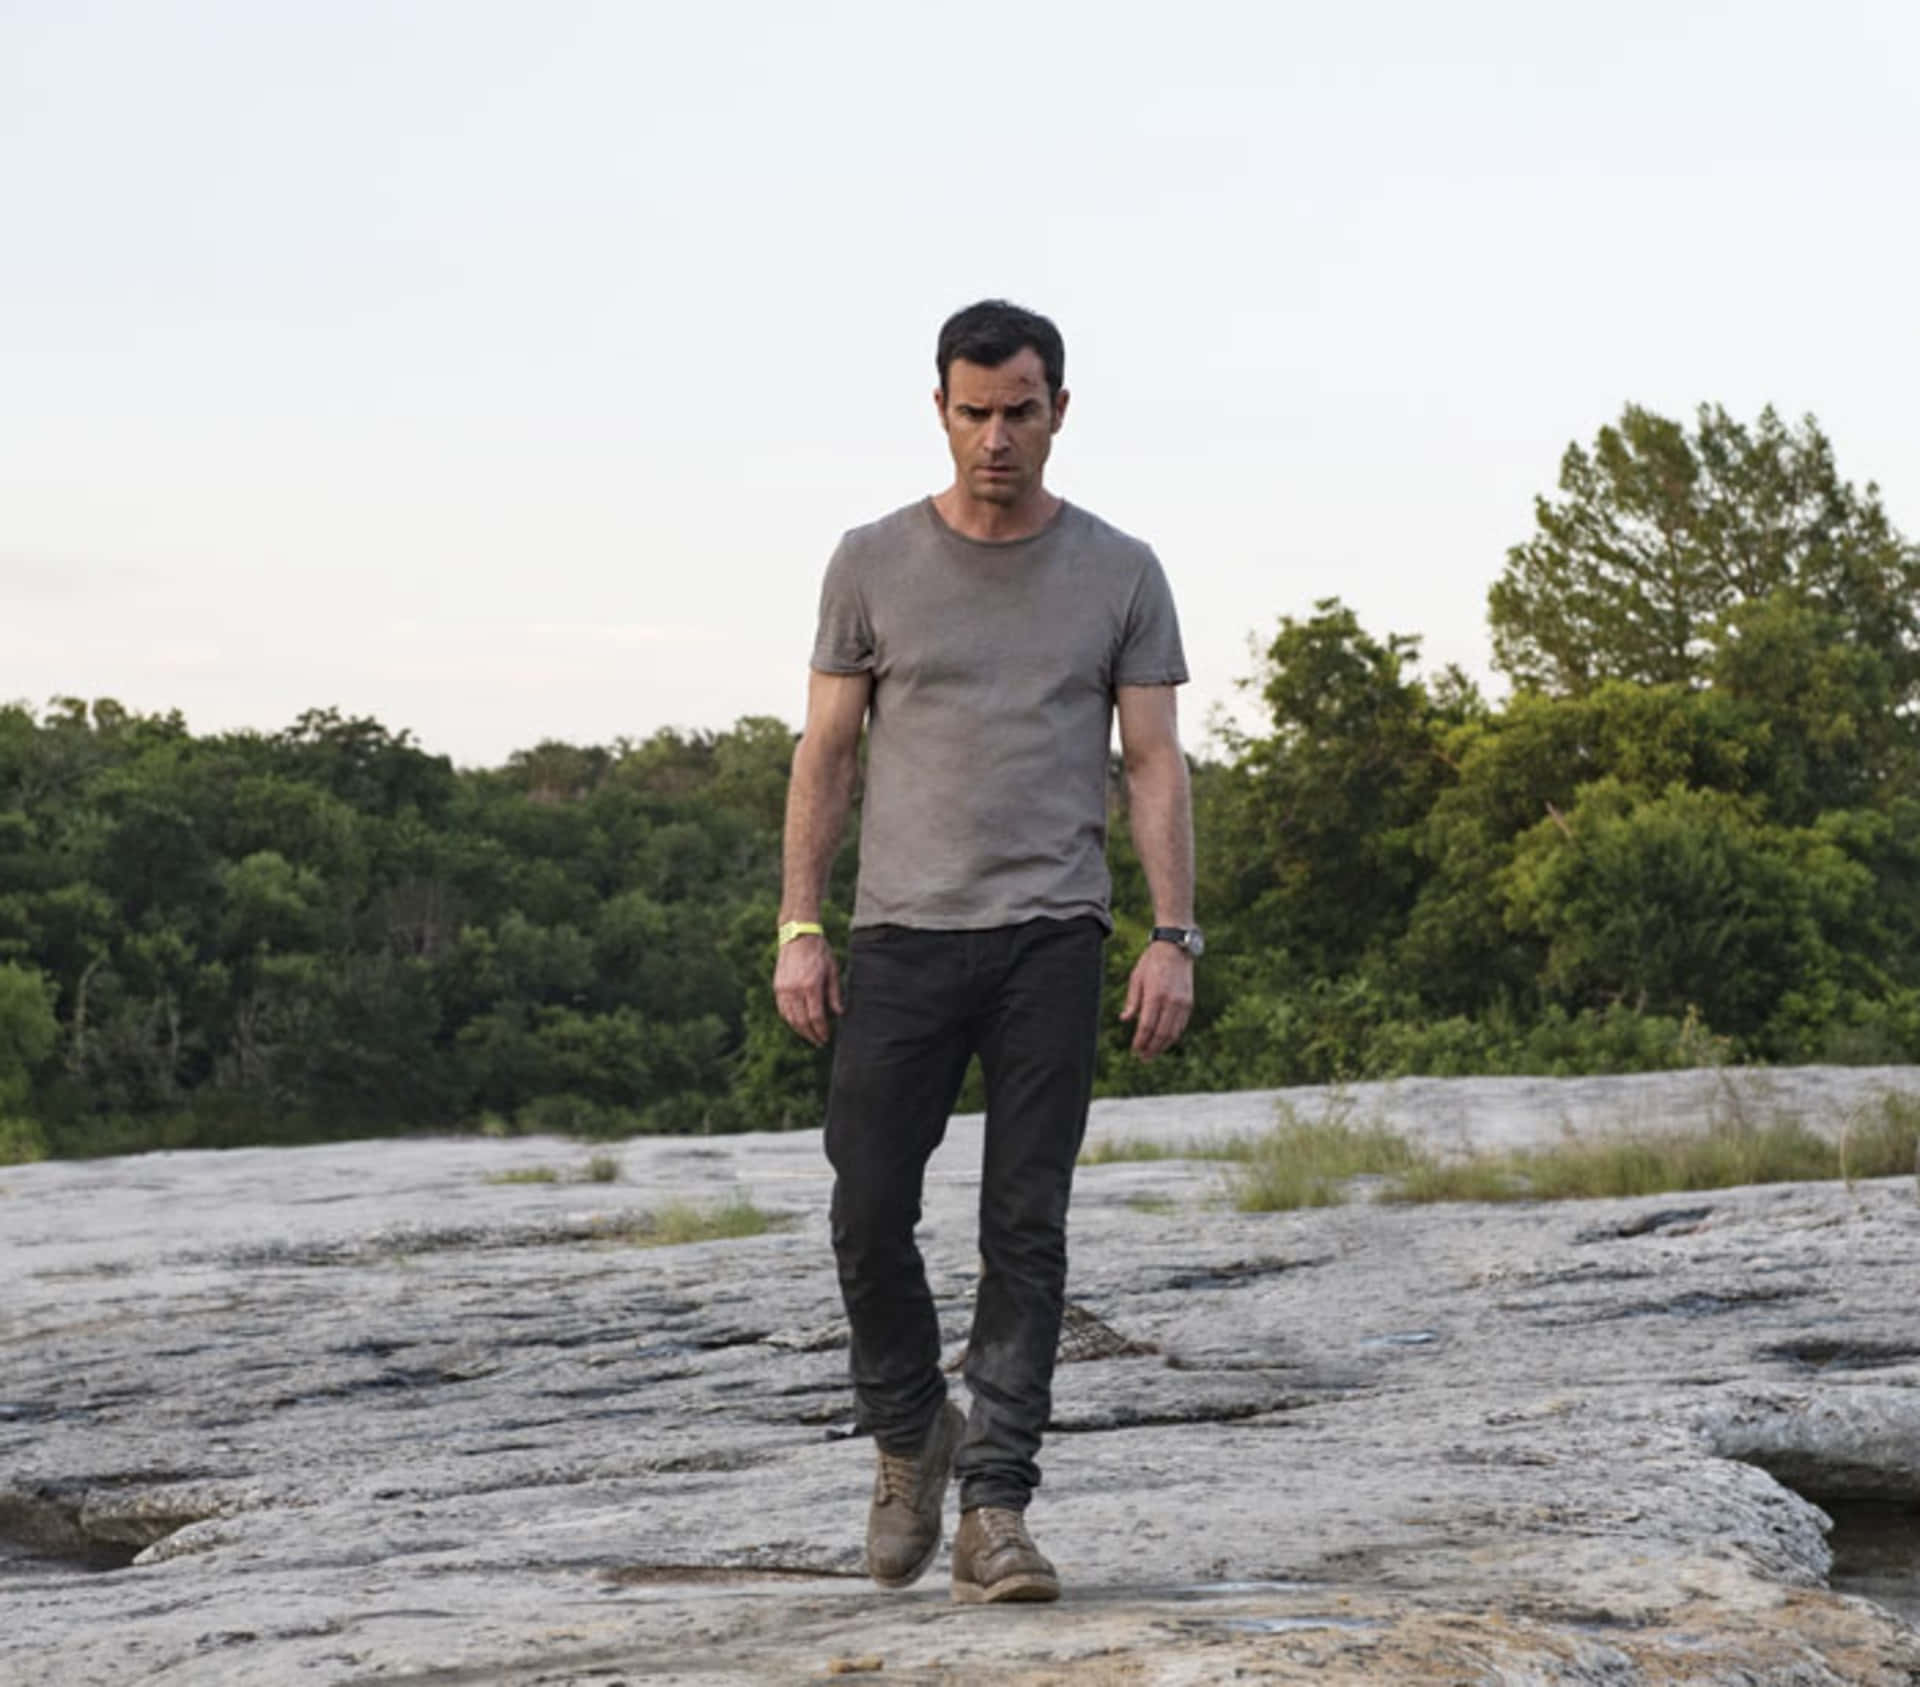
(994, 668)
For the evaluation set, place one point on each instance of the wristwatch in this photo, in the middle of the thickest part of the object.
(1187, 937)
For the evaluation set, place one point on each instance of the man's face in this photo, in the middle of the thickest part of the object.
(1000, 425)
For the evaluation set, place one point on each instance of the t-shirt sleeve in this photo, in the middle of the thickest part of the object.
(844, 642)
(1150, 649)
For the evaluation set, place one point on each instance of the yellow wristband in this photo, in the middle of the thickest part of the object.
(800, 928)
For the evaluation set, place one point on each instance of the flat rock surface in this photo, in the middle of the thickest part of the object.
(364, 1413)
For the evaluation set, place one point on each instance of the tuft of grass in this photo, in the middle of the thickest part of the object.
(1116, 1149)
(1884, 1144)
(1307, 1163)
(1148, 1202)
(1731, 1151)
(1727, 1154)
(602, 1168)
(681, 1221)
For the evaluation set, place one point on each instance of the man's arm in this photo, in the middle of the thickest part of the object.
(1160, 992)
(806, 984)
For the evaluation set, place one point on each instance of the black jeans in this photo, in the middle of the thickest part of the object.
(1026, 998)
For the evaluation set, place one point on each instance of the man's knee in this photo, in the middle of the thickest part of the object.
(870, 1225)
(1030, 1239)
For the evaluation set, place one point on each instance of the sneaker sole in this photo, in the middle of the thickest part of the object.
(1009, 1590)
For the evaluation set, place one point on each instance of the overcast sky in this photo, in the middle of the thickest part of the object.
(508, 371)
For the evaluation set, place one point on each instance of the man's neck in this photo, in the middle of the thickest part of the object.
(972, 518)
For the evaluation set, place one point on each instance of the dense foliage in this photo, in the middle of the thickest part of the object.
(1692, 833)
(329, 931)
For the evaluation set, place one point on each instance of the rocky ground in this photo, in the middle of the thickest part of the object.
(357, 1413)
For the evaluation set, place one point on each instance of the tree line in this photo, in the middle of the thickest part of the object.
(1690, 833)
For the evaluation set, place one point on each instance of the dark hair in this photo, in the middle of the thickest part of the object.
(992, 331)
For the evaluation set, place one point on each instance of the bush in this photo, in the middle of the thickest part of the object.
(21, 1141)
(28, 1030)
(693, 1114)
(575, 1115)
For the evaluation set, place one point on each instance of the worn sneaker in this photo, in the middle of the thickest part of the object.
(994, 1559)
(903, 1526)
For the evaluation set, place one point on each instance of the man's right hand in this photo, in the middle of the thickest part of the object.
(806, 988)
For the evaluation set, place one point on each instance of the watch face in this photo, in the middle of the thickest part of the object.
(1195, 945)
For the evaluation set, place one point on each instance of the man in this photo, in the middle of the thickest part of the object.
(985, 637)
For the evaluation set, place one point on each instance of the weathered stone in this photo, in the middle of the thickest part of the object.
(354, 1413)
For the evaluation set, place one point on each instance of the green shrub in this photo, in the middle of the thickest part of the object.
(575, 1115)
(28, 1030)
(696, 1113)
(21, 1141)
(1615, 1039)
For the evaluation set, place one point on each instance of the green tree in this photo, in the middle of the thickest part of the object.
(1517, 770)
(28, 1033)
(1661, 533)
(1310, 837)
(360, 761)
(28, 1030)
(1820, 710)
(1687, 900)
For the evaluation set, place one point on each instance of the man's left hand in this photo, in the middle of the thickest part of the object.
(1159, 998)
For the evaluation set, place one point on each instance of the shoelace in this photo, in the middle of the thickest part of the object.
(1003, 1527)
(897, 1471)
